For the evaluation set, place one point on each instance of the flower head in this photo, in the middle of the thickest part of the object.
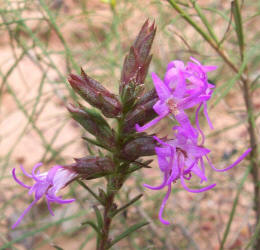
(46, 184)
(180, 158)
(183, 87)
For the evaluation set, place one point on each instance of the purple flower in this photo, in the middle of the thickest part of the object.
(46, 184)
(182, 88)
(181, 157)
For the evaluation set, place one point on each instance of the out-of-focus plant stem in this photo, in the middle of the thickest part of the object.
(246, 91)
(250, 115)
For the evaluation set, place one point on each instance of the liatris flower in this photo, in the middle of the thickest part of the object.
(46, 184)
(182, 88)
(181, 157)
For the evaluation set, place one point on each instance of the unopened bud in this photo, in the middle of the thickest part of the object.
(92, 167)
(141, 146)
(142, 113)
(148, 96)
(95, 94)
(137, 62)
(94, 123)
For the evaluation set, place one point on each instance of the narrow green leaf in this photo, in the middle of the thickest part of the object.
(95, 142)
(93, 225)
(90, 190)
(187, 17)
(239, 28)
(128, 232)
(99, 217)
(204, 20)
(127, 205)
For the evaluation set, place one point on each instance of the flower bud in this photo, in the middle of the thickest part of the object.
(95, 94)
(94, 123)
(141, 146)
(92, 167)
(137, 62)
(142, 113)
(148, 96)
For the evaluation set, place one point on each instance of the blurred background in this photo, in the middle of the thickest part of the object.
(41, 42)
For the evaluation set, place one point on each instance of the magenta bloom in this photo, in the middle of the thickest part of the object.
(46, 184)
(183, 87)
(181, 157)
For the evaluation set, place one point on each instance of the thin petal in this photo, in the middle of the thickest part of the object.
(163, 163)
(199, 173)
(61, 201)
(49, 206)
(175, 170)
(149, 124)
(206, 68)
(196, 151)
(51, 174)
(162, 90)
(190, 102)
(195, 190)
(161, 186)
(184, 121)
(33, 171)
(205, 109)
(198, 125)
(25, 173)
(163, 205)
(233, 164)
(23, 214)
(180, 89)
(18, 181)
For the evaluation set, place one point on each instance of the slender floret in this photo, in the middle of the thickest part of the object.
(46, 184)
(181, 157)
(183, 87)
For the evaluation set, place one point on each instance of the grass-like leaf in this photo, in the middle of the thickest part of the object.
(128, 232)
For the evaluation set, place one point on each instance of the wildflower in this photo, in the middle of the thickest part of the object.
(181, 157)
(182, 88)
(46, 184)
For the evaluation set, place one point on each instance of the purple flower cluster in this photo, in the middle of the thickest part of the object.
(46, 184)
(183, 87)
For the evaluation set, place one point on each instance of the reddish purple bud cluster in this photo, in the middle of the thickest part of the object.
(183, 87)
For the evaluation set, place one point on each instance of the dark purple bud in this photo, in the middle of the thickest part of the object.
(95, 94)
(142, 73)
(142, 113)
(92, 167)
(141, 146)
(137, 62)
(94, 123)
(144, 33)
(148, 96)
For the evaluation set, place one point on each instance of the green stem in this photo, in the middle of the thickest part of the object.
(114, 183)
(206, 38)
